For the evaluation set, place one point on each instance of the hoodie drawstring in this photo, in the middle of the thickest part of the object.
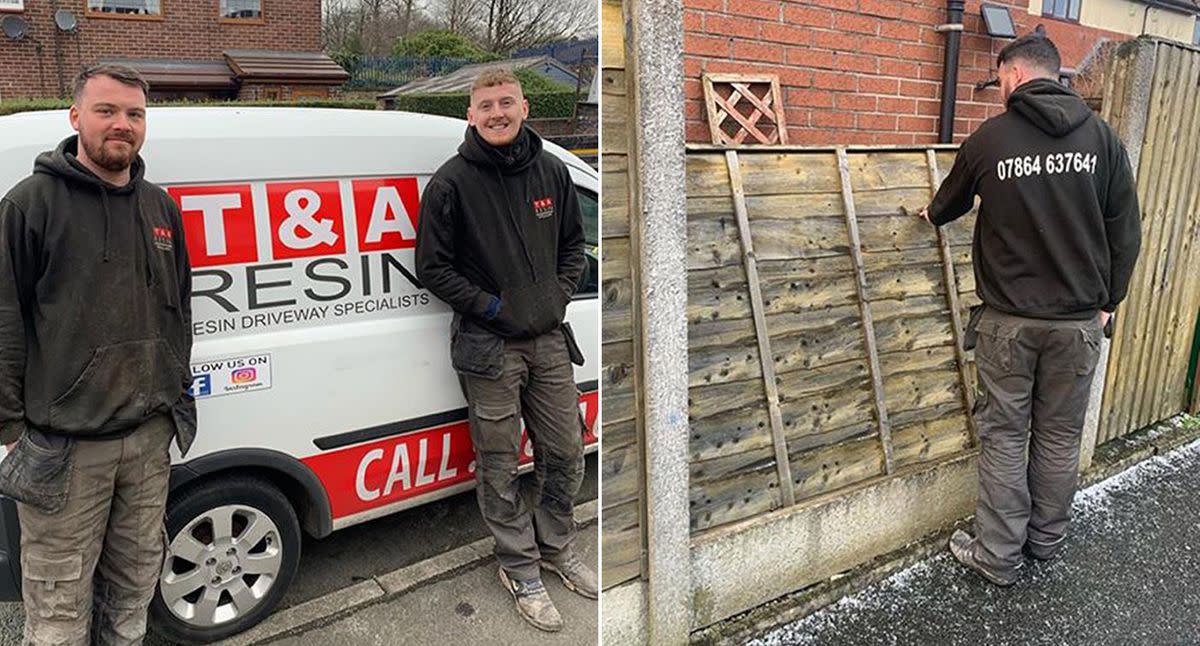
(107, 221)
(141, 222)
(517, 224)
(143, 225)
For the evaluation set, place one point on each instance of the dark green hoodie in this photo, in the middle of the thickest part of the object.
(95, 313)
(1059, 229)
(500, 236)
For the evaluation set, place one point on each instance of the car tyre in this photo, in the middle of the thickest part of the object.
(232, 550)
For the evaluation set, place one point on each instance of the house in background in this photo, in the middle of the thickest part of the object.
(221, 49)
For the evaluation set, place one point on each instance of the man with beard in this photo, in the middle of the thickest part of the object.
(500, 239)
(95, 340)
(1055, 244)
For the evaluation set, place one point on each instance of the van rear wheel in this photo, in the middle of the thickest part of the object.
(233, 546)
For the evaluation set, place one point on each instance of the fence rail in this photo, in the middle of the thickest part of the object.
(387, 72)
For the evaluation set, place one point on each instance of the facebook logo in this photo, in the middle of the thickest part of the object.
(201, 385)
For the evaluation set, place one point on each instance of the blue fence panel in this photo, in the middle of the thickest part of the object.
(387, 72)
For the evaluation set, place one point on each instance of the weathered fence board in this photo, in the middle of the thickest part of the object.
(622, 457)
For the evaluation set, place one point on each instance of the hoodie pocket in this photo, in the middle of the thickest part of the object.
(531, 310)
(121, 385)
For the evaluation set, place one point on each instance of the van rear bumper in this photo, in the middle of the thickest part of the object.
(10, 551)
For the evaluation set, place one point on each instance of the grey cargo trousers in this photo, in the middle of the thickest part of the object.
(1034, 379)
(530, 379)
(89, 570)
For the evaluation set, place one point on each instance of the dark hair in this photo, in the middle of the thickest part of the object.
(1034, 49)
(120, 73)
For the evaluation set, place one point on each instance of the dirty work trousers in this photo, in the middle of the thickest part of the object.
(89, 570)
(535, 382)
(1034, 380)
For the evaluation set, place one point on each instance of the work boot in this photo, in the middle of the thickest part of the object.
(962, 546)
(1035, 550)
(576, 575)
(533, 603)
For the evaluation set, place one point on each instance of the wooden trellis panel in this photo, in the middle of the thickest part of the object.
(853, 294)
(742, 106)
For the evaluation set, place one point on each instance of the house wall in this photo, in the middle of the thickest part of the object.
(865, 72)
(188, 29)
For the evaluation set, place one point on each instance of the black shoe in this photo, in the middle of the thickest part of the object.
(962, 546)
(1040, 552)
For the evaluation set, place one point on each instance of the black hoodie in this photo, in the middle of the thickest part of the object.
(1059, 230)
(503, 223)
(95, 312)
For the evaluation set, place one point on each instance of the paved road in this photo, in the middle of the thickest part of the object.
(363, 551)
(1130, 576)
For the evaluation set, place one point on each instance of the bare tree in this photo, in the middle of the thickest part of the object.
(370, 26)
(373, 26)
(459, 16)
(512, 24)
(504, 25)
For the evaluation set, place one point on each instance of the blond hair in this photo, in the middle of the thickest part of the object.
(493, 77)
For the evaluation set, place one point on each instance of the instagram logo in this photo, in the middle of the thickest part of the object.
(244, 375)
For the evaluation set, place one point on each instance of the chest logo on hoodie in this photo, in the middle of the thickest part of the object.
(164, 239)
(543, 208)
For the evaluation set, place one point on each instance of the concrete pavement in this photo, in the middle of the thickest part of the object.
(1130, 575)
(469, 607)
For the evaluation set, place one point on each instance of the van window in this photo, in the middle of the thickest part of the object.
(589, 282)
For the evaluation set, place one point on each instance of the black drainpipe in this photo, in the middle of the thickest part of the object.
(953, 29)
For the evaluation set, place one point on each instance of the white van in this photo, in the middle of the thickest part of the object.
(321, 366)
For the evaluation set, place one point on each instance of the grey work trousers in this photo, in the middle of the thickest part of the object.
(536, 382)
(89, 570)
(1034, 378)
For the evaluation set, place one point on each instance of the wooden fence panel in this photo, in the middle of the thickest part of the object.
(1147, 368)
(856, 308)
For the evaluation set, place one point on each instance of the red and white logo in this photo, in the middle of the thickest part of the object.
(306, 219)
(301, 219)
(164, 239)
(543, 208)
(219, 221)
(385, 211)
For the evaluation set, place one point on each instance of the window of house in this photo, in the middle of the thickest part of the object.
(1062, 9)
(1196, 35)
(131, 8)
(241, 9)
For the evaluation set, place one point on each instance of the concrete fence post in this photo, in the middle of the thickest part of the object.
(1131, 128)
(656, 30)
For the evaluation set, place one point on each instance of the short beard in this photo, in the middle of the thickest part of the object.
(113, 163)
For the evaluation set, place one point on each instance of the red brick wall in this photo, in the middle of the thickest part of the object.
(285, 92)
(189, 29)
(857, 71)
